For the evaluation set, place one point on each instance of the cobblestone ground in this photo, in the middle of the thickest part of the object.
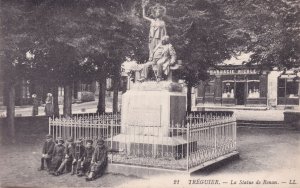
(263, 153)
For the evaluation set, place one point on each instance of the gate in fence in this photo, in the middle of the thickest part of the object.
(202, 138)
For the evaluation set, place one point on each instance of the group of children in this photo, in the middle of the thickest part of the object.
(74, 157)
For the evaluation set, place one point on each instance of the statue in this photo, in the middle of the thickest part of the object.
(163, 57)
(157, 26)
(161, 53)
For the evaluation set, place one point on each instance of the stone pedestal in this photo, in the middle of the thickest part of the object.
(150, 108)
(148, 111)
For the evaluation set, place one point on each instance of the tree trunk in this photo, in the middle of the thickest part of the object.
(102, 91)
(67, 109)
(189, 98)
(116, 94)
(55, 100)
(11, 113)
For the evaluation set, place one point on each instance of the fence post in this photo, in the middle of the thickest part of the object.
(49, 122)
(188, 145)
(234, 131)
(111, 138)
(111, 134)
(215, 131)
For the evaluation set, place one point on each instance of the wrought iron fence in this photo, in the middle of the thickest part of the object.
(85, 127)
(210, 138)
(202, 138)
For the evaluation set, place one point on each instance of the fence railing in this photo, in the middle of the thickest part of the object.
(202, 138)
(211, 139)
(85, 127)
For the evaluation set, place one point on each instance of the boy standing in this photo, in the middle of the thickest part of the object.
(48, 148)
(87, 158)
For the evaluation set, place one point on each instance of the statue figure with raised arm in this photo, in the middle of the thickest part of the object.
(157, 26)
(162, 56)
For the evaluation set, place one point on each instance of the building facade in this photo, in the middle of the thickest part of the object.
(238, 85)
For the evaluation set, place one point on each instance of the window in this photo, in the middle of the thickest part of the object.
(292, 88)
(288, 88)
(253, 89)
(228, 89)
(210, 88)
(85, 87)
(281, 87)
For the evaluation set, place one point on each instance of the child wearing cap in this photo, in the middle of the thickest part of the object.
(99, 161)
(57, 156)
(87, 158)
(47, 151)
(78, 156)
(66, 164)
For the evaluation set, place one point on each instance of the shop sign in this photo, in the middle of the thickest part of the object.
(233, 71)
(291, 76)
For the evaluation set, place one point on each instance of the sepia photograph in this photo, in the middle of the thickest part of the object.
(150, 93)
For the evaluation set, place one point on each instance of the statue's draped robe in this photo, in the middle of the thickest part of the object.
(157, 32)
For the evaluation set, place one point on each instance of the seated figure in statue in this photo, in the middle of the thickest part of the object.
(162, 58)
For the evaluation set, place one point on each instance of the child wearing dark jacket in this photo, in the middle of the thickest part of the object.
(99, 161)
(87, 158)
(78, 156)
(47, 151)
(57, 155)
(66, 163)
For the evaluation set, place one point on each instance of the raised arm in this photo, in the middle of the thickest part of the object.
(144, 13)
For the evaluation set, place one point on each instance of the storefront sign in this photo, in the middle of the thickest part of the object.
(291, 76)
(233, 71)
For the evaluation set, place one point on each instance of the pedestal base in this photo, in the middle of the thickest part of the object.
(150, 111)
(153, 146)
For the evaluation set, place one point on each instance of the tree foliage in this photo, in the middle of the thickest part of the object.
(88, 38)
(269, 29)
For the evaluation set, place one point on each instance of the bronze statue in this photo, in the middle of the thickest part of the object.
(157, 26)
(162, 55)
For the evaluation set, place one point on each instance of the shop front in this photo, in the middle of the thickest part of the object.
(234, 85)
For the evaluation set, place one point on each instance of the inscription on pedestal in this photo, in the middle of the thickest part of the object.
(144, 117)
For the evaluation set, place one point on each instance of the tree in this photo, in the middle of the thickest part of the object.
(268, 29)
(86, 33)
(14, 40)
(74, 40)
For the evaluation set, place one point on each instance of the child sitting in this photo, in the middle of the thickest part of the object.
(57, 156)
(47, 152)
(87, 158)
(66, 164)
(78, 156)
(99, 161)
